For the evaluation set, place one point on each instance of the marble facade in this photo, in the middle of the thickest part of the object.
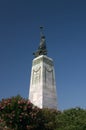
(42, 92)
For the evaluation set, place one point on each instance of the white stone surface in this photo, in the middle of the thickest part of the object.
(42, 91)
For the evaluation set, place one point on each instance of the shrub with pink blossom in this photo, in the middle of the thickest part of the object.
(20, 114)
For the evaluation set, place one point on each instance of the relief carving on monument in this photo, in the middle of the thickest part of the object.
(49, 81)
(36, 75)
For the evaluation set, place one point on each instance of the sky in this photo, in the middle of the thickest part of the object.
(64, 24)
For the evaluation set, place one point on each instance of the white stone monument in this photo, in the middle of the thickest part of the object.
(42, 91)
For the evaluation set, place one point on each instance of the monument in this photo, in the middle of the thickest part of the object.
(42, 92)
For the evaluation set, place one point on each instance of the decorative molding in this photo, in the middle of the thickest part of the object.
(49, 69)
(37, 61)
(49, 73)
(36, 75)
(43, 59)
(48, 61)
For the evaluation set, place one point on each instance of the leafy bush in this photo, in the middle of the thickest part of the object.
(72, 119)
(20, 114)
(50, 118)
(17, 113)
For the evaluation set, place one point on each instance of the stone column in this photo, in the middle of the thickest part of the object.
(42, 91)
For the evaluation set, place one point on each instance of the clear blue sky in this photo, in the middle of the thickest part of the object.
(65, 31)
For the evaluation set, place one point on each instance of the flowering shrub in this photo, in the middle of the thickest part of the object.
(20, 114)
(17, 113)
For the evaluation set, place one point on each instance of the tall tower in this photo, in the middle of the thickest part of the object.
(42, 91)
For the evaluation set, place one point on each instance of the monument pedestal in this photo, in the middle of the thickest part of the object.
(42, 91)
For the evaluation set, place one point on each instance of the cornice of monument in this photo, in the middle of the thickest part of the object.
(43, 58)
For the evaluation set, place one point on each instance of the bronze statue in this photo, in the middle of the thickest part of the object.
(42, 47)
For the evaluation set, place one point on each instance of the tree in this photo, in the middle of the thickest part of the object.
(72, 119)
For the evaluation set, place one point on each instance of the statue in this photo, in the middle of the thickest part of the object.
(42, 47)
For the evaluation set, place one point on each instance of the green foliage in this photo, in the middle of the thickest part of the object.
(20, 114)
(72, 119)
(50, 118)
(17, 113)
